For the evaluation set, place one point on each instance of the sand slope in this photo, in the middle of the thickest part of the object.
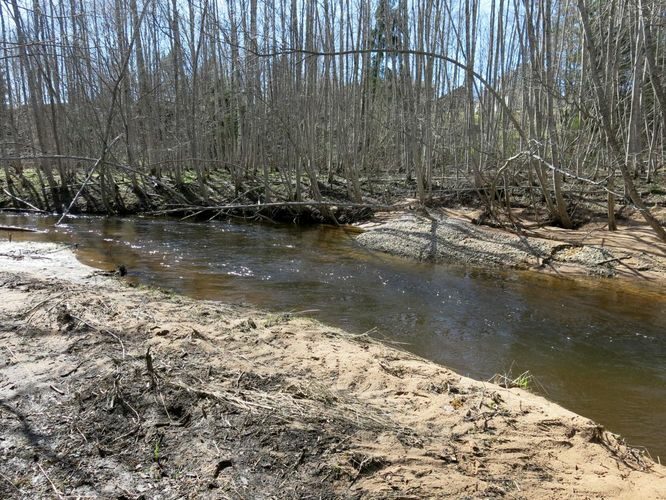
(632, 252)
(109, 390)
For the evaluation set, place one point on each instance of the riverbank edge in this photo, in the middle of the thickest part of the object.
(631, 255)
(96, 368)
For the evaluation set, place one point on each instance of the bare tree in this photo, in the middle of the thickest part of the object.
(268, 100)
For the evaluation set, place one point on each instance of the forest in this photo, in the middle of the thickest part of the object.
(202, 103)
(332, 248)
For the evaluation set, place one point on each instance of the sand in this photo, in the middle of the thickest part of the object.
(116, 391)
(444, 235)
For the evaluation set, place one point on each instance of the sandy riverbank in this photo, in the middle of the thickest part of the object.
(631, 253)
(117, 391)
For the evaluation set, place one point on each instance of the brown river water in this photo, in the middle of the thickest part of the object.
(597, 347)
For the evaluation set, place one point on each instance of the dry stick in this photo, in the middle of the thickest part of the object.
(28, 314)
(62, 248)
(16, 488)
(59, 391)
(569, 174)
(151, 370)
(100, 330)
(68, 373)
(87, 179)
(49, 480)
(219, 211)
(614, 259)
(22, 201)
(11, 353)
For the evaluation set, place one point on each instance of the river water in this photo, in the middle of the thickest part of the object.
(595, 346)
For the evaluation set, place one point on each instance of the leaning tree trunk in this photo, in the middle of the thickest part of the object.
(604, 110)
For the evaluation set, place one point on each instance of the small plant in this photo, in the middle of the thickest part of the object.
(524, 381)
(277, 319)
(156, 450)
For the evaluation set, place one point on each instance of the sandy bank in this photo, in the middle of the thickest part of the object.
(630, 253)
(115, 391)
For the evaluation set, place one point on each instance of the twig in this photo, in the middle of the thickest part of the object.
(10, 482)
(55, 490)
(11, 353)
(68, 373)
(59, 391)
(122, 346)
(614, 259)
(63, 247)
(28, 314)
(82, 434)
(151, 370)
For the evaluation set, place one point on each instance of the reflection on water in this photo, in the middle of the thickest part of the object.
(598, 350)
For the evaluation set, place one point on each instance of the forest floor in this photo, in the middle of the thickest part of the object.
(125, 392)
(632, 252)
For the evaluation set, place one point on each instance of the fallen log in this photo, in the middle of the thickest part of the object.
(18, 229)
(302, 212)
(285, 204)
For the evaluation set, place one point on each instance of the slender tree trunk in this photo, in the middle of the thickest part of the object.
(602, 104)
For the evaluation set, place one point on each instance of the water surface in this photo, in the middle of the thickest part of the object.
(595, 346)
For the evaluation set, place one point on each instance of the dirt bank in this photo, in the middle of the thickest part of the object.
(124, 392)
(632, 252)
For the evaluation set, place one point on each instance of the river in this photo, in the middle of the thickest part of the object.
(596, 347)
